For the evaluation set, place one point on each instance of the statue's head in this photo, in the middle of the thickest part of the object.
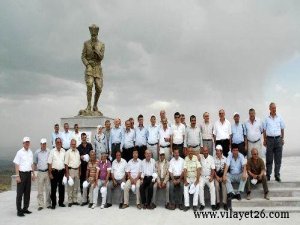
(94, 30)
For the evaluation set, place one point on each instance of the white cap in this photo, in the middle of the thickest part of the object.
(70, 182)
(161, 151)
(236, 113)
(86, 157)
(192, 189)
(133, 188)
(25, 139)
(65, 180)
(103, 190)
(99, 126)
(219, 147)
(43, 141)
(123, 185)
(85, 184)
(254, 181)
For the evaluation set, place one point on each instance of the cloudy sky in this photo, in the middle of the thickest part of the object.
(186, 56)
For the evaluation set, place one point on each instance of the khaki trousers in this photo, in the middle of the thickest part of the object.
(43, 183)
(137, 191)
(73, 190)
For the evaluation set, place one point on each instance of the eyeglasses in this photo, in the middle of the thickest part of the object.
(176, 117)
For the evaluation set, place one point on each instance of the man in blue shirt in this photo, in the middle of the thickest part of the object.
(141, 137)
(273, 140)
(238, 135)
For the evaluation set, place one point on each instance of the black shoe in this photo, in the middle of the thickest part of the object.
(84, 203)
(201, 207)
(268, 178)
(278, 179)
(75, 203)
(40, 208)
(181, 207)
(20, 214)
(217, 206)
(53, 207)
(49, 207)
(195, 208)
(230, 196)
(90, 205)
(26, 211)
(120, 205)
(225, 207)
(107, 205)
(62, 205)
(213, 207)
(70, 205)
(186, 209)
(238, 196)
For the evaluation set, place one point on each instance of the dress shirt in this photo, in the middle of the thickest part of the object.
(66, 139)
(24, 159)
(128, 139)
(134, 167)
(207, 131)
(107, 136)
(254, 130)
(238, 133)
(72, 158)
(220, 163)
(207, 165)
(118, 169)
(236, 165)
(116, 136)
(152, 134)
(103, 168)
(57, 159)
(54, 136)
(176, 166)
(40, 158)
(222, 130)
(178, 133)
(273, 126)
(164, 134)
(77, 137)
(191, 165)
(147, 167)
(140, 136)
(193, 137)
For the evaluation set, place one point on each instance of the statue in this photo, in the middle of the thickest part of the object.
(92, 55)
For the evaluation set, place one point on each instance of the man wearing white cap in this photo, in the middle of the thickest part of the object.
(152, 134)
(40, 160)
(220, 161)
(24, 174)
(72, 164)
(100, 142)
(133, 171)
(192, 169)
(222, 132)
(118, 176)
(56, 170)
(238, 135)
(207, 178)
(162, 181)
(148, 177)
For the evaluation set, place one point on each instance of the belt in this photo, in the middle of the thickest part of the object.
(239, 143)
(152, 144)
(116, 143)
(70, 168)
(274, 137)
(223, 140)
(53, 169)
(167, 146)
(25, 171)
(254, 141)
(176, 177)
(193, 146)
(207, 139)
(43, 170)
(177, 144)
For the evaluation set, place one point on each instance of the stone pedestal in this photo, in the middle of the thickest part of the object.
(87, 124)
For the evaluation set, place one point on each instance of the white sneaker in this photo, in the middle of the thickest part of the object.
(102, 206)
(93, 206)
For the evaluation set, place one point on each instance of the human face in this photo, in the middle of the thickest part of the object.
(141, 121)
(272, 109)
(176, 154)
(76, 128)
(182, 118)
(235, 152)
(66, 127)
(236, 118)
(83, 138)
(252, 115)
(56, 128)
(222, 114)
(254, 154)
(162, 114)
(103, 157)
(218, 153)
(58, 143)
(73, 144)
(165, 123)
(193, 122)
(190, 152)
(127, 125)
(153, 120)
(206, 117)
(135, 154)
(107, 125)
(177, 118)
(205, 152)
(93, 155)
(100, 130)
(43, 146)
(26, 144)
(162, 157)
(118, 156)
(147, 154)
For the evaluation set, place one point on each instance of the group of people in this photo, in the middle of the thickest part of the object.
(177, 159)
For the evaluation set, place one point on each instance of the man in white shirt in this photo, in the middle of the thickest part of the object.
(165, 138)
(178, 133)
(152, 135)
(66, 137)
(72, 165)
(133, 171)
(207, 133)
(115, 138)
(24, 174)
(140, 137)
(207, 178)
(176, 169)
(77, 134)
(222, 132)
(55, 134)
(40, 160)
(193, 136)
(118, 176)
(128, 141)
(56, 170)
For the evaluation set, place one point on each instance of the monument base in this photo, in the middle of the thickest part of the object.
(87, 124)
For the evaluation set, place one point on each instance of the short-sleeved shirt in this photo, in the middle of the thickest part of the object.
(40, 158)
(236, 165)
(176, 166)
(72, 158)
(164, 134)
(152, 134)
(57, 159)
(178, 133)
(66, 139)
(238, 133)
(118, 168)
(273, 125)
(84, 150)
(147, 167)
(207, 131)
(207, 165)
(92, 166)
(24, 158)
(128, 139)
(255, 168)
(140, 136)
(134, 167)
(191, 165)
(222, 130)
(220, 165)
(104, 168)
(254, 130)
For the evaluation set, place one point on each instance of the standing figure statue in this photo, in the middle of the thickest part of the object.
(92, 55)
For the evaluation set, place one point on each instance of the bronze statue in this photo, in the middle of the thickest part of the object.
(92, 55)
